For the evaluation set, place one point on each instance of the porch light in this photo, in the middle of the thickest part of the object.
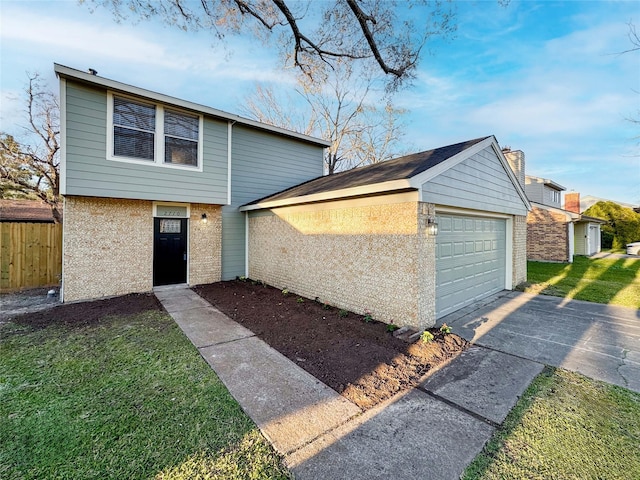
(432, 226)
(204, 218)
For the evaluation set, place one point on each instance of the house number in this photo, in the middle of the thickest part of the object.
(163, 211)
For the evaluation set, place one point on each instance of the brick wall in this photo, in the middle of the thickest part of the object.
(205, 244)
(352, 255)
(519, 249)
(547, 236)
(107, 247)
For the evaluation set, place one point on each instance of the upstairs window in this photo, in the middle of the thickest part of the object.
(134, 126)
(181, 138)
(140, 132)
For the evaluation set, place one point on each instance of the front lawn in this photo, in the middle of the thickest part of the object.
(565, 426)
(601, 280)
(127, 396)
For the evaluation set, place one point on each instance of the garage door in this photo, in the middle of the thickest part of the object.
(470, 260)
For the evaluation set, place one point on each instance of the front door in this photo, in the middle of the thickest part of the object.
(169, 251)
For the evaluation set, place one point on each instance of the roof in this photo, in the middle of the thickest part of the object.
(400, 174)
(586, 218)
(572, 216)
(544, 181)
(88, 78)
(32, 211)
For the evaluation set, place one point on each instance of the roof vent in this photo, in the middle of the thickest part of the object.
(92, 71)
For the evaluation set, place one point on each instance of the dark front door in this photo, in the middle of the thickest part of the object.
(169, 251)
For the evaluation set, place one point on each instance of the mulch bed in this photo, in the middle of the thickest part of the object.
(361, 360)
(89, 313)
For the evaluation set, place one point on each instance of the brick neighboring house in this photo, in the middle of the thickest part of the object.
(554, 234)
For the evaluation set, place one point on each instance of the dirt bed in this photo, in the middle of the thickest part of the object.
(87, 313)
(361, 360)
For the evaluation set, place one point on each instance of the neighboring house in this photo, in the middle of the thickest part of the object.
(365, 238)
(25, 211)
(549, 227)
(152, 183)
(554, 234)
(161, 191)
(587, 234)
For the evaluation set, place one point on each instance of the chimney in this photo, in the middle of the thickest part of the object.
(572, 202)
(515, 158)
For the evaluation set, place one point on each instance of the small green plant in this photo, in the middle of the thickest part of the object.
(241, 279)
(392, 327)
(446, 329)
(367, 316)
(326, 306)
(343, 313)
(426, 337)
(285, 291)
(300, 300)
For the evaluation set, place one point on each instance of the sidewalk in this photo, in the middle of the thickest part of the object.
(433, 431)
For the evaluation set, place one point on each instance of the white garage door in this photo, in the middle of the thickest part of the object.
(470, 260)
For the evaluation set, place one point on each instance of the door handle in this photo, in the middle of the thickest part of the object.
(184, 257)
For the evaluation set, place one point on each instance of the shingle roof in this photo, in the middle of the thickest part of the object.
(397, 169)
(25, 211)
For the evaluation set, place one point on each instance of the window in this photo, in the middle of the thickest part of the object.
(181, 138)
(134, 126)
(141, 132)
(555, 196)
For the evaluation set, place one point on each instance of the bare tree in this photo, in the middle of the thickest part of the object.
(31, 170)
(344, 109)
(633, 38)
(374, 31)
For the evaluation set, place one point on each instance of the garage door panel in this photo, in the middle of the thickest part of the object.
(470, 260)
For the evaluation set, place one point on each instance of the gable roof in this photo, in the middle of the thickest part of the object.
(403, 173)
(88, 78)
(32, 211)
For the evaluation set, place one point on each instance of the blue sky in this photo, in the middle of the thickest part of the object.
(543, 77)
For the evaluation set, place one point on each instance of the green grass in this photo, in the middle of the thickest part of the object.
(565, 426)
(602, 280)
(129, 398)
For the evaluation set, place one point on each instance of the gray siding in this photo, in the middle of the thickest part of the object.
(479, 183)
(89, 173)
(540, 193)
(534, 192)
(261, 164)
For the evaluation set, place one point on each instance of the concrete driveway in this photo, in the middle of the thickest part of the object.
(599, 341)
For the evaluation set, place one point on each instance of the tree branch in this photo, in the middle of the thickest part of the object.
(368, 35)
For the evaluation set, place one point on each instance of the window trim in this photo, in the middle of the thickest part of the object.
(159, 135)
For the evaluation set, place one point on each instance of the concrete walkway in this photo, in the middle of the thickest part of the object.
(433, 431)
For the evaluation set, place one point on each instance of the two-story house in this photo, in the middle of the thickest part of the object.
(554, 233)
(151, 186)
(160, 191)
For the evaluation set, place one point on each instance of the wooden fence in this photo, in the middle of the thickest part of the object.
(31, 254)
